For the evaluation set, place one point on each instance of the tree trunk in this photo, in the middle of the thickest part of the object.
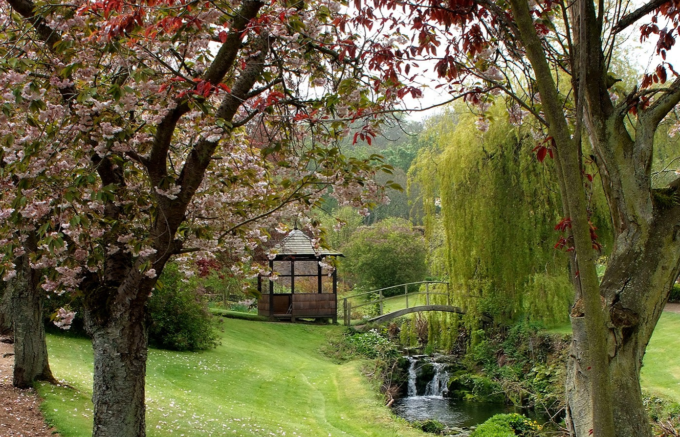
(5, 309)
(636, 286)
(30, 349)
(119, 341)
(630, 416)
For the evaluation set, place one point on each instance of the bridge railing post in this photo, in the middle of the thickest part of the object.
(406, 293)
(427, 293)
(381, 303)
(345, 319)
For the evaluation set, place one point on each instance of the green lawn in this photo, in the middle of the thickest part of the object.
(265, 379)
(661, 365)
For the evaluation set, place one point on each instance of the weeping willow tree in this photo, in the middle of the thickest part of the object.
(498, 208)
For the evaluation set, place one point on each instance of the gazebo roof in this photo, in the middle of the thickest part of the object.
(297, 243)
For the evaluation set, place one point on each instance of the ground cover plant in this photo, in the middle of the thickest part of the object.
(507, 425)
(264, 378)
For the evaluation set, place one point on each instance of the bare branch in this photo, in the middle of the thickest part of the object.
(640, 12)
(664, 104)
(262, 89)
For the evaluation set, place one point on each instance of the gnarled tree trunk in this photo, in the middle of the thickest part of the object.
(30, 349)
(635, 288)
(612, 321)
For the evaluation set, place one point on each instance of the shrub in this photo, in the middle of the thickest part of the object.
(179, 316)
(352, 343)
(475, 388)
(429, 425)
(372, 344)
(507, 425)
(388, 253)
(675, 293)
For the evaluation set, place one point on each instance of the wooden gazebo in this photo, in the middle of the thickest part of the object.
(304, 287)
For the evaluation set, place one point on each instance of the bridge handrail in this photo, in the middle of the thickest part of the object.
(394, 286)
(347, 306)
(373, 302)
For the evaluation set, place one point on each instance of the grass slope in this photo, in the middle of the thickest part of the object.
(265, 380)
(661, 366)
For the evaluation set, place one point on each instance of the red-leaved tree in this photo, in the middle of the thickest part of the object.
(552, 60)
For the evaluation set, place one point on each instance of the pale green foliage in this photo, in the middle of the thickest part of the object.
(388, 253)
(666, 163)
(499, 207)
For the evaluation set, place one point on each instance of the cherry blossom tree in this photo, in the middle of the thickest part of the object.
(136, 132)
(553, 62)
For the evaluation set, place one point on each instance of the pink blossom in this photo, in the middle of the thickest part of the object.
(64, 318)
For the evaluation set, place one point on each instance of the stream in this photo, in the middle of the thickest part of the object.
(426, 399)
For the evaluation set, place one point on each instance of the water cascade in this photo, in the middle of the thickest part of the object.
(427, 377)
(438, 386)
(412, 391)
(426, 396)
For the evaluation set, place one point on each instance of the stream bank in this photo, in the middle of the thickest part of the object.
(489, 372)
(437, 389)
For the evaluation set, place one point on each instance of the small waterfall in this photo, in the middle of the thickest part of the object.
(436, 387)
(412, 377)
(439, 384)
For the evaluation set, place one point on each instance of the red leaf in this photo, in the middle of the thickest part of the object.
(542, 152)
(661, 72)
(223, 36)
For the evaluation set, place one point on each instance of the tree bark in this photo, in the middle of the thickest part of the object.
(30, 349)
(636, 286)
(5, 309)
(119, 341)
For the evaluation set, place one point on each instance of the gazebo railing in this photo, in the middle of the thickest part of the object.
(348, 306)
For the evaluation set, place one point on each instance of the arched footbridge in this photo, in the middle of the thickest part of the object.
(374, 306)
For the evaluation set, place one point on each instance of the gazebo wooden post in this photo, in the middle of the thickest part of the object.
(292, 288)
(271, 290)
(335, 292)
(319, 277)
